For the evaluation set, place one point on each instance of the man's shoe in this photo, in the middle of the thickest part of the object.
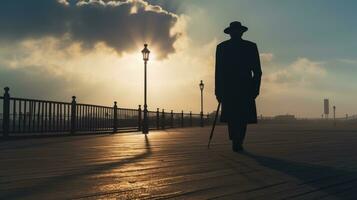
(240, 148)
(237, 146)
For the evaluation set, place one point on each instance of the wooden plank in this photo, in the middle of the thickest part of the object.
(296, 163)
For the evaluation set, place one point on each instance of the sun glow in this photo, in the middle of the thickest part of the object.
(103, 75)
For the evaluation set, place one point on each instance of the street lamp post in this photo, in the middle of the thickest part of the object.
(201, 88)
(145, 126)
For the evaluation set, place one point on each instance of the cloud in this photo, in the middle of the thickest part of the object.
(301, 72)
(348, 61)
(122, 25)
(266, 57)
(297, 87)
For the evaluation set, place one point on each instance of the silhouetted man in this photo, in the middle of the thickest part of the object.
(238, 76)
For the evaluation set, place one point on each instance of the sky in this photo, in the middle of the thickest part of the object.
(54, 49)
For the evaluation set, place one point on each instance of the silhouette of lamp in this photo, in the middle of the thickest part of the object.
(202, 86)
(145, 126)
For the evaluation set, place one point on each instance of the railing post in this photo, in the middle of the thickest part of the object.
(190, 118)
(172, 119)
(139, 118)
(73, 114)
(115, 122)
(163, 119)
(157, 119)
(6, 113)
(201, 119)
(181, 118)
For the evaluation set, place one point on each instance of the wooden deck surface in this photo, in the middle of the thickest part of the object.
(281, 162)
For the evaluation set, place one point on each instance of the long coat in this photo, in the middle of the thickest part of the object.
(237, 80)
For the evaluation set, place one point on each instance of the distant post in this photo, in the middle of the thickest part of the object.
(139, 118)
(172, 119)
(163, 119)
(334, 115)
(190, 118)
(115, 122)
(201, 85)
(346, 116)
(181, 118)
(157, 119)
(73, 114)
(6, 113)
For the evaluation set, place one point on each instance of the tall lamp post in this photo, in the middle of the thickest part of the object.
(201, 88)
(145, 126)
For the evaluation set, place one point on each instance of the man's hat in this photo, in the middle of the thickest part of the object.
(235, 26)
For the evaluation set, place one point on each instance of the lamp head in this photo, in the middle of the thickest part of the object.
(145, 52)
(201, 85)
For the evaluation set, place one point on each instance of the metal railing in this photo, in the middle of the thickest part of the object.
(22, 117)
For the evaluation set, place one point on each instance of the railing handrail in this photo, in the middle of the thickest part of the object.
(94, 105)
(38, 100)
(84, 104)
(129, 109)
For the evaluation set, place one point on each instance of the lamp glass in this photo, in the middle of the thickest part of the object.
(202, 85)
(145, 52)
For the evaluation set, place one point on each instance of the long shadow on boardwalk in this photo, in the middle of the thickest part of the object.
(42, 142)
(50, 184)
(332, 181)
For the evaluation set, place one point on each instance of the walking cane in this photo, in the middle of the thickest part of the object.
(214, 124)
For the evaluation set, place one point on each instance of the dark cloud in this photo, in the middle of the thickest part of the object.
(119, 24)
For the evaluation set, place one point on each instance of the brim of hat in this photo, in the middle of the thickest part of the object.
(229, 29)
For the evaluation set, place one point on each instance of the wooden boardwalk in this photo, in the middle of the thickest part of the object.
(281, 162)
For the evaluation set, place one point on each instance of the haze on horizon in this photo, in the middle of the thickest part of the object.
(53, 49)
